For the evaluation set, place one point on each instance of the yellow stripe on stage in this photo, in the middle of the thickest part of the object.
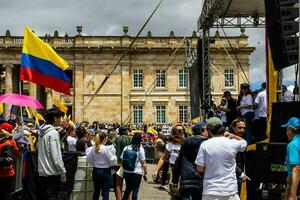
(272, 89)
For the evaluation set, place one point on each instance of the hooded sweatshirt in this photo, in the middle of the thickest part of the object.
(50, 161)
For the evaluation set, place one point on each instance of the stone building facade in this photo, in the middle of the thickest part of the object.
(149, 85)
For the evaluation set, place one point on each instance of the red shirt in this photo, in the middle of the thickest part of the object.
(10, 170)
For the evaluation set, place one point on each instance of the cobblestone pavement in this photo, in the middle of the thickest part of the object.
(149, 190)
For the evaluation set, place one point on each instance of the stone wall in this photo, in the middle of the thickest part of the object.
(93, 57)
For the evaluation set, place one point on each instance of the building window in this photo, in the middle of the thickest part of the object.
(161, 114)
(137, 114)
(229, 77)
(182, 78)
(183, 114)
(138, 78)
(160, 78)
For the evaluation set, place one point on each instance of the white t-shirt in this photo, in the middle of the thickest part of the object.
(174, 151)
(140, 156)
(288, 96)
(246, 100)
(165, 129)
(217, 155)
(71, 143)
(256, 114)
(223, 114)
(261, 101)
(104, 158)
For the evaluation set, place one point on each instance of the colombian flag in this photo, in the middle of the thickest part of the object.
(151, 133)
(41, 65)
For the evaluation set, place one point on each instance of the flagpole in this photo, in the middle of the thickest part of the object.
(21, 108)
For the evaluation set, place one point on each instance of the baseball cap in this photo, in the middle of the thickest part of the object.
(6, 127)
(293, 121)
(245, 85)
(123, 128)
(198, 126)
(213, 122)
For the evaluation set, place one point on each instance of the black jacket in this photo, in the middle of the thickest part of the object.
(185, 166)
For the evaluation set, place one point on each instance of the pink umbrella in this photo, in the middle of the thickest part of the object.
(20, 100)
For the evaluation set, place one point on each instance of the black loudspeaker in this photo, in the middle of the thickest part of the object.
(281, 113)
(196, 82)
(194, 90)
(270, 164)
(282, 28)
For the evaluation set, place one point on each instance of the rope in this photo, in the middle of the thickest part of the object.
(125, 53)
(238, 61)
(166, 68)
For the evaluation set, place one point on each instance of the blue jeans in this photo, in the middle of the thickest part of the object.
(133, 182)
(102, 181)
(248, 116)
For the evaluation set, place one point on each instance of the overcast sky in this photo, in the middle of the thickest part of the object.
(106, 17)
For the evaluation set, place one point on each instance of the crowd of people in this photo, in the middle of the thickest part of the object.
(252, 106)
(203, 160)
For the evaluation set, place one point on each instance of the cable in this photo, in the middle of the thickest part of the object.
(233, 51)
(125, 53)
(231, 58)
(220, 73)
(166, 68)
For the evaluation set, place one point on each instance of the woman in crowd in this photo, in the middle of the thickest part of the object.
(171, 152)
(101, 157)
(134, 155)
(246, 110)
(71, 139)
(82, 143)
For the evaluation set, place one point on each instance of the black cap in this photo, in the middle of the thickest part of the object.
(245, 85)
(123, 128)
(199, 126)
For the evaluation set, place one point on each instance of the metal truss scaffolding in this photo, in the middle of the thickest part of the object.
(238, 22)
(225, 14)
(205, 97)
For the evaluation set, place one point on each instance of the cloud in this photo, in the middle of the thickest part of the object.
(98, 17)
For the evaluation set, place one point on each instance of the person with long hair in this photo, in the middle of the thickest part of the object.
(171, 152)
(101, 157)
(71, 138)
(82, 143)
(133, 177)
(246, 109)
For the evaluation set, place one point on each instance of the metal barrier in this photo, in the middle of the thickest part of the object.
(149, 153)
(83, 186)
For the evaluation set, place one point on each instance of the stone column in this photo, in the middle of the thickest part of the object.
(126, 86)
(48, 98)
(78, 93)
(8, 85)
(32, 89)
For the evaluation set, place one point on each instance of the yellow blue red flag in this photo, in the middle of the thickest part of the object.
(152, 133)
(40, 64)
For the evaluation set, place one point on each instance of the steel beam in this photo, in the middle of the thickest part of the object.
(211, 10)
(238, 22)
(206, 86)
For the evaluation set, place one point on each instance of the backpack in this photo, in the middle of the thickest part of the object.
(129, 159)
